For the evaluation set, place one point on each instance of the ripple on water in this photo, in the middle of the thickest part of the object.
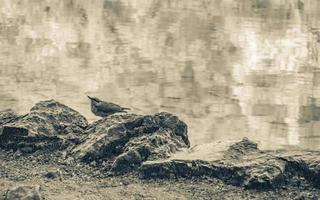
(228, 68)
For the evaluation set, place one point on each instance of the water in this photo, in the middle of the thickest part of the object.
(227, 68)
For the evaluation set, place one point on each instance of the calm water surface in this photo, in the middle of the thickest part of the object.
(228, 68)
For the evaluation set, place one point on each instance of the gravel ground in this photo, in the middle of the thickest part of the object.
(74, 181)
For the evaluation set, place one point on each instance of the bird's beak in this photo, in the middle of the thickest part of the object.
(90, 97)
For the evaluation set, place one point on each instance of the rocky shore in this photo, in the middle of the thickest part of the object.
(54, 153)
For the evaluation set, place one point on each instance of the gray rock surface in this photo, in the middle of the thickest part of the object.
(238, 149)
(23, 193)
(157, 146)
(249, 167)
(128, 140)
(49, 125)
(7, 116)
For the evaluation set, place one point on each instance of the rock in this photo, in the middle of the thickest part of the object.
(49, 125)
(306, 165)
(104, 136)
(263, 172)
(250, 167)
(23, 193)
(241, 148)
(127, 161)
(306, 196)
(7, 116)
(172, 122)
(175, 168)
(54, 174)
(130, 139)
(157, 146)
(252, 175)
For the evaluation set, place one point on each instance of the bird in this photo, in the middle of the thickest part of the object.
(103, 109)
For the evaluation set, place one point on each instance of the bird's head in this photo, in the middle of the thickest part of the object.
(94, 99)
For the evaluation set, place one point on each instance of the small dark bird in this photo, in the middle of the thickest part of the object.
(104, 109)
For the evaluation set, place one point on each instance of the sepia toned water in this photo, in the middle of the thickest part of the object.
(227, 68)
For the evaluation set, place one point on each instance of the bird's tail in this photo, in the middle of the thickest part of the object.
(126, 108)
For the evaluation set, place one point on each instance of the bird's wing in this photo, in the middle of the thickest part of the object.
(109, 107)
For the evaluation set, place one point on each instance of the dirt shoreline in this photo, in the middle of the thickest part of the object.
(54, 153)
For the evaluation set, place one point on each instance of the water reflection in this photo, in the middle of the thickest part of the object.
(228, 68)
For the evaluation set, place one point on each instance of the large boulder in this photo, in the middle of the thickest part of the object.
(49, 125)
(128, 140)
(157, 146)
(23, 193)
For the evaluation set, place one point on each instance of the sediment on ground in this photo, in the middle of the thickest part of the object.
(143, 145)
